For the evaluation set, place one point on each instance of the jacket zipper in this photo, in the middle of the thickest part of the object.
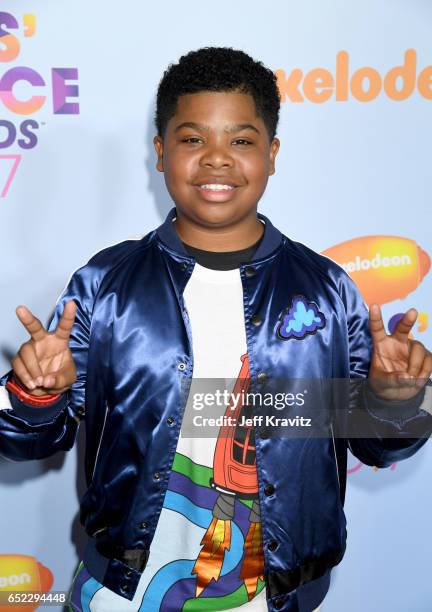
(100, 439)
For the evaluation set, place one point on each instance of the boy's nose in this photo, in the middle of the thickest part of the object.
(217, 157)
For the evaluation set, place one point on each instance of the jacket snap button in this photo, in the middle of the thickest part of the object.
(272, 545)
(269, 489)
(183, 265)
(278, 604)
(156, 475)
(170, 420)
(256, 320)
(181, 366)
(128, 573)
(143, 525)
(250, 271)
(262, 377)
(125, 588)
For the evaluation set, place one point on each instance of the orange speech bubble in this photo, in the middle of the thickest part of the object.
(23, 573)
(384, 268)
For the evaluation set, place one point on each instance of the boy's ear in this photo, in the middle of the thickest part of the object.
(158, 145)
(274, 148)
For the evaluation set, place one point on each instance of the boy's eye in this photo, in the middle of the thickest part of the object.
(192, 139)
(199, 140)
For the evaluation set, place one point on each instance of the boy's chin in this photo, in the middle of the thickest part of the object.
(216, 214)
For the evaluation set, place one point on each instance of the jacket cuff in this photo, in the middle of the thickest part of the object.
(393, 410)
(35, 415)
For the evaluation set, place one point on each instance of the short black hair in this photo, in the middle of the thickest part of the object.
(218, 69)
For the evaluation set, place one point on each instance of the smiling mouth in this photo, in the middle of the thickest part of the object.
(216, 187)
(216, 192)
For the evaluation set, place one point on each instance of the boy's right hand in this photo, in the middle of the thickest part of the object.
(44, 364)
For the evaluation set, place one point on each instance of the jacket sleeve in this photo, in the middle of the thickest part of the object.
(380, 432)
(30, 432)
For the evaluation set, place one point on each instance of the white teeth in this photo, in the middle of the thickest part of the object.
(216, 187)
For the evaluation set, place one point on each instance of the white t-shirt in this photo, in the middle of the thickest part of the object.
(214, 301)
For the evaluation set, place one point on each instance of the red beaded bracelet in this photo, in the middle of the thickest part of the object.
(28, 398)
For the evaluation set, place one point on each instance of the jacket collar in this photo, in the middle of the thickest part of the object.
(168, 235)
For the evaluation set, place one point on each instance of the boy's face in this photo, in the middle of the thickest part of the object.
(216, 156)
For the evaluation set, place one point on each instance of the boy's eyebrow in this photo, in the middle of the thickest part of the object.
(237, 127)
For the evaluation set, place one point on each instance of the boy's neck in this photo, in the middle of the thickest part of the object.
(232, 238)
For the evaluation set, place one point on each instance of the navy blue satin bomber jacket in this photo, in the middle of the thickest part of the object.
(131, 342)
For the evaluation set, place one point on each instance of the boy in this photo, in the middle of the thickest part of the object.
(216, 292)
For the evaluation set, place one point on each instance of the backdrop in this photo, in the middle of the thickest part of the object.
(77, 88)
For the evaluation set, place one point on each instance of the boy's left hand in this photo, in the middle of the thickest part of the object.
(400, 366)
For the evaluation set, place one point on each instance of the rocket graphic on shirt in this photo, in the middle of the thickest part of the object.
(207, 549)
(234, 475)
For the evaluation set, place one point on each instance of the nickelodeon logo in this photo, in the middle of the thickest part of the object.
(364, 84)
(376, 262)
(23, 573)
(384, 268)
